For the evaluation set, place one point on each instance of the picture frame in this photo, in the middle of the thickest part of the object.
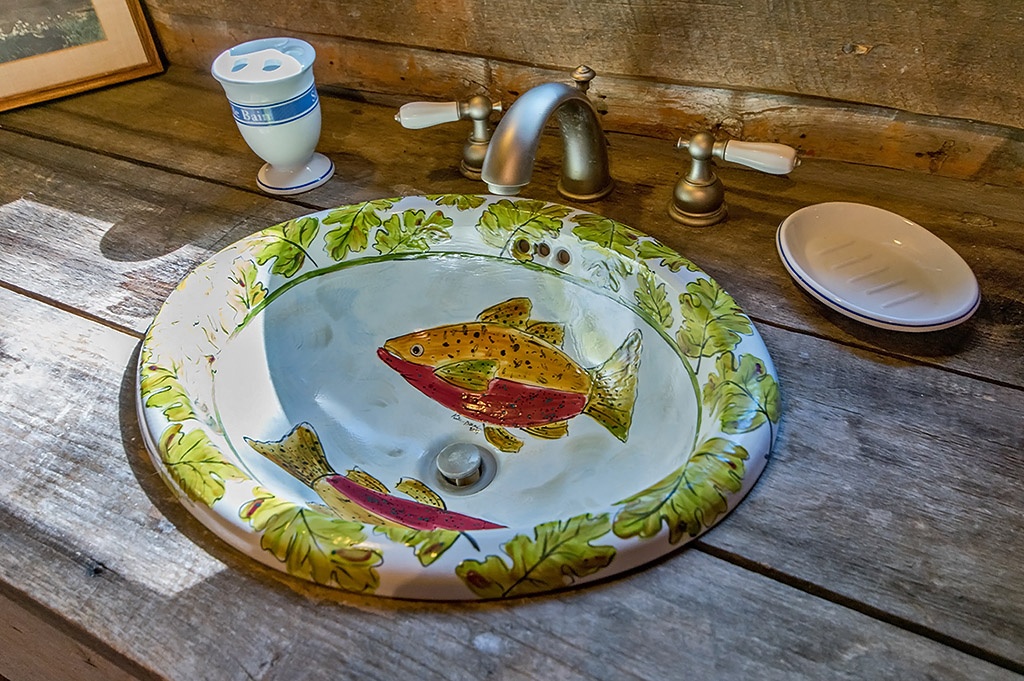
(55, 48)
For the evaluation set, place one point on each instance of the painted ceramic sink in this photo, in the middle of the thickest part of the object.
(455, 397)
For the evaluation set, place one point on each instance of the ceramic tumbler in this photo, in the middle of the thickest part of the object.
(269, 84)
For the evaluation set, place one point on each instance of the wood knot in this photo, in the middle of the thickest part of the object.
(857, 49)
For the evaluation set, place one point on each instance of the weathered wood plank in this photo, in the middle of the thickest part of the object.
(376, 157)
(894, 478)
(822, 128)
(63, 212)
(945, 58)
(347, 64)
(90, 531)
(929, 414)
(33, 648)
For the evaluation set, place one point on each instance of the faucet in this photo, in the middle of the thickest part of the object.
(508, 164)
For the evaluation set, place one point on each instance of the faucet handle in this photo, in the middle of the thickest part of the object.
(419, 115)
(768, 157)
(698, 199)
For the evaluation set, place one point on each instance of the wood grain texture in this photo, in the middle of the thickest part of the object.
(894, 478)
(636, 103)
(362, 67)
(148, 227)
(945, 58)
(891, 492)
(34, 648)
(90, 531)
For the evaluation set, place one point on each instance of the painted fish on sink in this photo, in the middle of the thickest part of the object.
(357, 495)
(509, 371)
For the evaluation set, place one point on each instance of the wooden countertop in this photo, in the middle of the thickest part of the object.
(884, 540)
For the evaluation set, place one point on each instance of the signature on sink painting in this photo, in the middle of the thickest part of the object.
(509, 371)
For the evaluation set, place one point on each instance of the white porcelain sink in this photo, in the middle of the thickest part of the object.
(453, 397)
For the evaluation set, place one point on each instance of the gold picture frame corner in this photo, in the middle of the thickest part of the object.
(127, 52)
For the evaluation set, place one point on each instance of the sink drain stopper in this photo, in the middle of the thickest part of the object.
(464, 468)
(460, 464)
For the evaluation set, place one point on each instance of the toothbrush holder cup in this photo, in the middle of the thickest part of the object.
(269, 84)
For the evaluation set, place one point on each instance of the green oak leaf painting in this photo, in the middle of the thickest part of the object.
(557, 555)
(651, 297)
(249, 291)
(649, 249)
(196, 464)
(412, 232)
(688, 500)
(352, 226)
(428, 545)
(162, 390)
(459, 201)
(742, 393)
(506, 221)
(286, 245)
(607, 233)
(322, 548)
(712, 322)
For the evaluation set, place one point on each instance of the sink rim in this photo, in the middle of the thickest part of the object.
(387, 562)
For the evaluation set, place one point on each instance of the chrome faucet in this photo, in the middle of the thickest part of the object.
(508, 165)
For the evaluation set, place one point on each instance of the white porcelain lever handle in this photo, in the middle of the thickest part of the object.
(417, 115)
(478, 108)
(768, 157)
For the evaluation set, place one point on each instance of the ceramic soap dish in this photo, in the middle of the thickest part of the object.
(877, 267)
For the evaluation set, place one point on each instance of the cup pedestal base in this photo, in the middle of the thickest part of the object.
(288, 181)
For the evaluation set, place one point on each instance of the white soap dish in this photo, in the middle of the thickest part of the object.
(877, 267)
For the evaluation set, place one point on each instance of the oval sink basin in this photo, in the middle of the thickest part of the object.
(455, 397)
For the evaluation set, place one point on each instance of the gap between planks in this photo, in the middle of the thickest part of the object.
(154, 166)
(881, 352)
(875, 613)
(70, 309)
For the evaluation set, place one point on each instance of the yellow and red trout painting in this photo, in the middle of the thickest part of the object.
(509, 371)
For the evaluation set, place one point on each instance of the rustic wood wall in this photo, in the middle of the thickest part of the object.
(936, 86)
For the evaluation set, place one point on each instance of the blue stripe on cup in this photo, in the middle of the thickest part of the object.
(276, 114)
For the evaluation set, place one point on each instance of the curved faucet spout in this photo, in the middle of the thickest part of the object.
(508, 165)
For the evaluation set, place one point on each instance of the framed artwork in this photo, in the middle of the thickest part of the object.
(53, 48)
